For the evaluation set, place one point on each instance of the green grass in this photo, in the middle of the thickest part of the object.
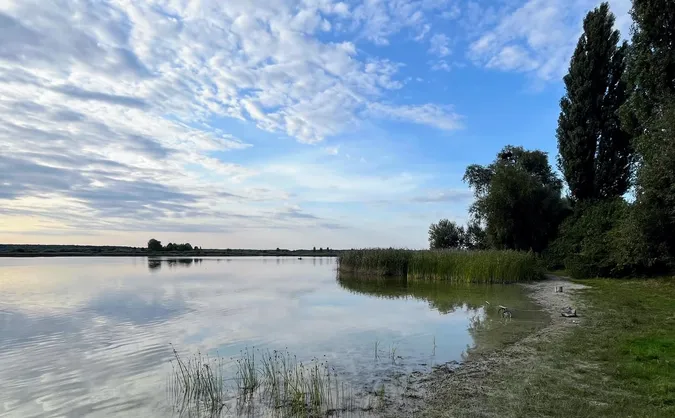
(449, 266)
(620, 362)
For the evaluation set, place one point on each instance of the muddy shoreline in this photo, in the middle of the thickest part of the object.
(457, 389)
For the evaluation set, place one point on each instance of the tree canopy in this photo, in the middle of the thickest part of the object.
(445, 234)
(518, 198)
(154, 245)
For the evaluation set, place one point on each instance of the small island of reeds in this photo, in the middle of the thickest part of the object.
(454, 266)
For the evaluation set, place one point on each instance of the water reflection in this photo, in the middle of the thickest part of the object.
(156, 263)
(91, 336)
(487, 326)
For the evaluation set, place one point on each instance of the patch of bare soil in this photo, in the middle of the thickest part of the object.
(461, 390)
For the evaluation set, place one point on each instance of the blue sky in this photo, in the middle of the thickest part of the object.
(268, 123)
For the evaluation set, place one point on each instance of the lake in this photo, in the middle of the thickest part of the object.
(93, 336)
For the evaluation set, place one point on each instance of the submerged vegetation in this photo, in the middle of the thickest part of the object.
(275, 380)
(449, 266)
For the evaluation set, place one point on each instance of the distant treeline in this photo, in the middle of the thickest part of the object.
(37, 250)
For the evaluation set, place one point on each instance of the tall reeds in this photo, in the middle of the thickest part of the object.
(453, 266)
(379, 262)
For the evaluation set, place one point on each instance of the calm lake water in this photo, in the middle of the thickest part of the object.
(92, 336)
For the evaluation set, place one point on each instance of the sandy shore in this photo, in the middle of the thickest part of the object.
(458, 390)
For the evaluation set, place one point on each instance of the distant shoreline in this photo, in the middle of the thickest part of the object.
(23, 251)
(47, 254)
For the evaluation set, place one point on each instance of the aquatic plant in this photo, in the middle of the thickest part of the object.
(454, 266)
(274, 378)
(197, 383)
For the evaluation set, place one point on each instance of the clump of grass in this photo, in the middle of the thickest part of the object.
(247, 375)
(197, 383)
(274, 378)
(453, 266)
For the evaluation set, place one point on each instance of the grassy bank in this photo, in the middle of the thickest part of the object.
(453, 266)
(620, 361)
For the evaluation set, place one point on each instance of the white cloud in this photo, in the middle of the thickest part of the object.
(441, 117)
(440, 65)
(512, 57)
(332, 150)
(423, 32)
(439, 45)
(107, 109)
(452, 13)
(377, 20)
(537, 37)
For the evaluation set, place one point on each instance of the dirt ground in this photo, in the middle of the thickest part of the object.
(461, 390)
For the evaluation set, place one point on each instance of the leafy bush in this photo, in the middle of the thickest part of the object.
(600, 239)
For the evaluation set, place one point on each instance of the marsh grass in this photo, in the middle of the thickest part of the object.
(274, 379)
(197, 384)
(449, 266)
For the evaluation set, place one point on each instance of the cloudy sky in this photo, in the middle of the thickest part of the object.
(267, 123)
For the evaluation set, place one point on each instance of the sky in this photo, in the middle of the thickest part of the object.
(268, 123)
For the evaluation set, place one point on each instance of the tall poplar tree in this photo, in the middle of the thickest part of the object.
(594, 151)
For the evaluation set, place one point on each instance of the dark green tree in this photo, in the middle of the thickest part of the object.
(475, 237)
(184, 247)
(154, 245)
(594, 151)
(445, 234)
(518, 198)
(651, 62)
(650, 113)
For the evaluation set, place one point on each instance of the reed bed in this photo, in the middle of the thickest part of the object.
(452, 266)
(378, 262)
(274, 379)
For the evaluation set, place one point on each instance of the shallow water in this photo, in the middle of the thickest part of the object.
(91, 336)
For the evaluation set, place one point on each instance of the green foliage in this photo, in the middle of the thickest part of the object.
(651, 64)
(595, 152)
(154, 245)
(650, 113)
(445, 234)
(475, 237)
(178, 247)
(602, 239)
(585, 242)
(518, 198)
(655, 198)
(453, 266)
